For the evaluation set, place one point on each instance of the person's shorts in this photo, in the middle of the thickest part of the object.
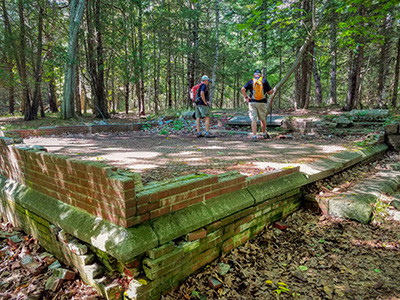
(202, 111)
(258, 111)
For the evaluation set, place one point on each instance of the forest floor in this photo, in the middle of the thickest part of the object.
(314, 258)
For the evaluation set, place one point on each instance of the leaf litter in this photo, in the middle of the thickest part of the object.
(351, 263)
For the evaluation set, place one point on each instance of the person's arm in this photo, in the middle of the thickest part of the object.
(270, 90)
(203, 97)
(246, 98)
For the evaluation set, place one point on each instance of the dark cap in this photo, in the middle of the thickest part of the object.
(257, 71)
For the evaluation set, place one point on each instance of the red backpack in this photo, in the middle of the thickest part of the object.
(193, 92)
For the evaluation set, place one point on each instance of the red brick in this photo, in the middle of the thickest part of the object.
(179, 206)
(143, 199)
(147, 207)
(195, 235)
(85, 207)
(160, 195)
(160, 212)
(211, 195)
(232, 188)
(196, 200)
(204, 190)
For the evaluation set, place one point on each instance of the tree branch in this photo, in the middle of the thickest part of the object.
(299, 56)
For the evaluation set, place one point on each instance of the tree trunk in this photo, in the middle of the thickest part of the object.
(317, 80)
(96, 60)
(396, 76)
(141, 99)
(214, 73)
(10, 53)
(196, 43)
(280, 76)
(157, 77)
(222, 82)
(137, 86)
(26, 100)
(52, 95)
(175, 82)
(382, 64)
(78, 103)
(127, 92)
(169, 80)
(76, 12)
(38, 69)
(355, 65)
(333, 97)
(100, 97)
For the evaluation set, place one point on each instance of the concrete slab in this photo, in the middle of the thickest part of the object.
(245, 120)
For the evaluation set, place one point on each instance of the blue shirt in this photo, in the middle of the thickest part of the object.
(249, 87)
(203, 88)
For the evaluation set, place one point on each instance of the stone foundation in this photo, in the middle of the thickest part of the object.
(157, 234)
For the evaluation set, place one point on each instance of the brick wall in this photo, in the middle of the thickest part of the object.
(158, 199)
(101, 191)
(94, 187)
(165, 267)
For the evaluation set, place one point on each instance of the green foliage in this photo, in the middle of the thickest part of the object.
(165, 53)
(380, 212)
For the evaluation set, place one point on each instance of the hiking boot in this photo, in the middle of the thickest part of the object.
(199, 134)
(266, 135)
(209, 135)
(254, 139)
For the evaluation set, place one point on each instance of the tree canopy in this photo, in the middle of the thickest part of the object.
(144, 56)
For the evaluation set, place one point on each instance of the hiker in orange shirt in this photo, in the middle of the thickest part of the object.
(258, 106)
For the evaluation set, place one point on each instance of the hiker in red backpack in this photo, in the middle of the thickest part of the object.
(202, 109)
(258, 106)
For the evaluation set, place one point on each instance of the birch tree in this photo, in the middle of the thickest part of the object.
(76, 12)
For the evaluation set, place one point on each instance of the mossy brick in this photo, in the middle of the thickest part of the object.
(121, 243)
(190, 246)
(277, 187)
(165, 260)
(247, 225)
(180, 184)
(160, 251)
(321, 169)
(239, 215)
(372, 151)
(195, 235)
(228, 204)
(213, 226)
(37, 219)
(174, 225)
(264, 177)
(154, 273)
(348, 158)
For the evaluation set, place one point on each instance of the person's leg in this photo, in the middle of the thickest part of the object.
(253, 118)
(254, 127)
(207, 122)
(262, 116)
(198, 124)
(198, 116)
(263, 126)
